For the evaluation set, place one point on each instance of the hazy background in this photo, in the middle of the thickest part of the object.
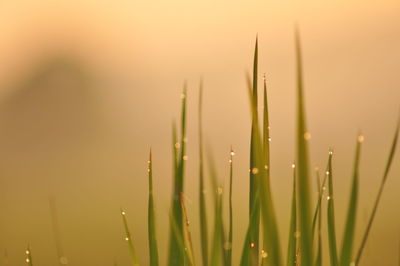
(86, 87)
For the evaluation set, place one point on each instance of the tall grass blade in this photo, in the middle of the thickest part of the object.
(378, 197)
(331, 214)
(255, 222)
(292, 242)
(245, 258)
(176, 256)
(228, 244)
(271, 253)
(303, 177)
(318, 261)
(153, 249)
(202, 199)
(348, 237)
(128, 238)
(218, 256)
(28, 253)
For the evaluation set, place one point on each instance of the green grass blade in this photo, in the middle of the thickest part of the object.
(271, 252)
(245, 258)
(378, 197)
(151, 218)
(292, 243)
(303, 177)
(318, 260)
(331, 214)
(255, 222)
(218, 256)
(181, 242)
(202, 190)
(176, 256)
(318, 207)
(128, 238)
(348, 237)
(28, 253)
(228, 244)
(188, 237)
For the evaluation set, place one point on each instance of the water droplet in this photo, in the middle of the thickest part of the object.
(233, 153)
(123, 212)
(266, 167)
(230, 161)
(252, 245)
(63, 260)
(264, 254)
(328, 197)
(177, 145)
(293, 165)
(185, 157)
(307, 135)
(185, 139)
(126, 238)
(27, 260)
(254, 171)
(360, 138)
(297, 234)
(219, 190)
(183, 96)
(27, 252)
(327, 172)
(269, 139)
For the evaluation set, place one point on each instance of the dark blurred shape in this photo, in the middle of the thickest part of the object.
(50, 110)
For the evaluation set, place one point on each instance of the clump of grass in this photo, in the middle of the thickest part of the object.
(303, 247)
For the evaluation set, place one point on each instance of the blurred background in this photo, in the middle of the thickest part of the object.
(87, 87)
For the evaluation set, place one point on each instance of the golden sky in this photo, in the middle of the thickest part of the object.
(86, 87)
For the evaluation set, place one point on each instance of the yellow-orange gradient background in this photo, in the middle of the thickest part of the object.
(86, 87)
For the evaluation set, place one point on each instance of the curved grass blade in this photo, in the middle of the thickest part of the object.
(271, 252)
(318, 260)
(348, 237)
(202, 200)
(176, 256)
(292, 243)
(378, 197)
(188, 237)
(128, 239)
(56, 231)
(255, 222)
(228, 246)
(180, 241)
(319, 203)
(303, 177)
(331, 214)
(153, 249)
(28, 253)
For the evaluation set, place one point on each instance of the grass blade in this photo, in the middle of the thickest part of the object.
(28, 253)
(255, 222)
(292, 243)
(378, 197)
(270, 229)
(228, 244)
(348, 237)
(202, 200)
(188, 237)
(245, 258)
(331, 214)
(318, 208)
(176, 256)
(128, 239)
(153, 249)
(303, 177)
(217, 249)
(318, 261)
